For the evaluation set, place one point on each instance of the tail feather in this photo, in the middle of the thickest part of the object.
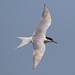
(25, 41)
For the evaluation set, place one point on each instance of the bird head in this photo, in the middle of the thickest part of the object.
(48, 38)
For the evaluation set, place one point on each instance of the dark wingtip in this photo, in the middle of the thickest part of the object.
(45, 5)
(32, 68)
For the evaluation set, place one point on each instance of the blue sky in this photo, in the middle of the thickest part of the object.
(20, 18)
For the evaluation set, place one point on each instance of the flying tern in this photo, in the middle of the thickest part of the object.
(39, 37)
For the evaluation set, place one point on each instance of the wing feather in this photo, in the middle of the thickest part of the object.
(45, 22)
(39, 49)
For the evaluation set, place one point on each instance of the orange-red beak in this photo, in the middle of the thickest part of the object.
(54, 41)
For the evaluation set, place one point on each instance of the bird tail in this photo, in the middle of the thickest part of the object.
(25, 41)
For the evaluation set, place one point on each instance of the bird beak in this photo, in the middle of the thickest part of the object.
(54, 41)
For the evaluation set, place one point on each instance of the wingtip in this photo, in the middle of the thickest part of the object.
(44, 4)
(33, 68)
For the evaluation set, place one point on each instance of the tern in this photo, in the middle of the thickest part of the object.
(39, 37)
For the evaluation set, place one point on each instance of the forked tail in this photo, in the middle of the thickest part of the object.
(25, 41)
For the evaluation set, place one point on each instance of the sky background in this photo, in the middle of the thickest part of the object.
(20, 18)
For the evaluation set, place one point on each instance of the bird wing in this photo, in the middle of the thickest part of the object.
(45, 22)
(39, 49)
